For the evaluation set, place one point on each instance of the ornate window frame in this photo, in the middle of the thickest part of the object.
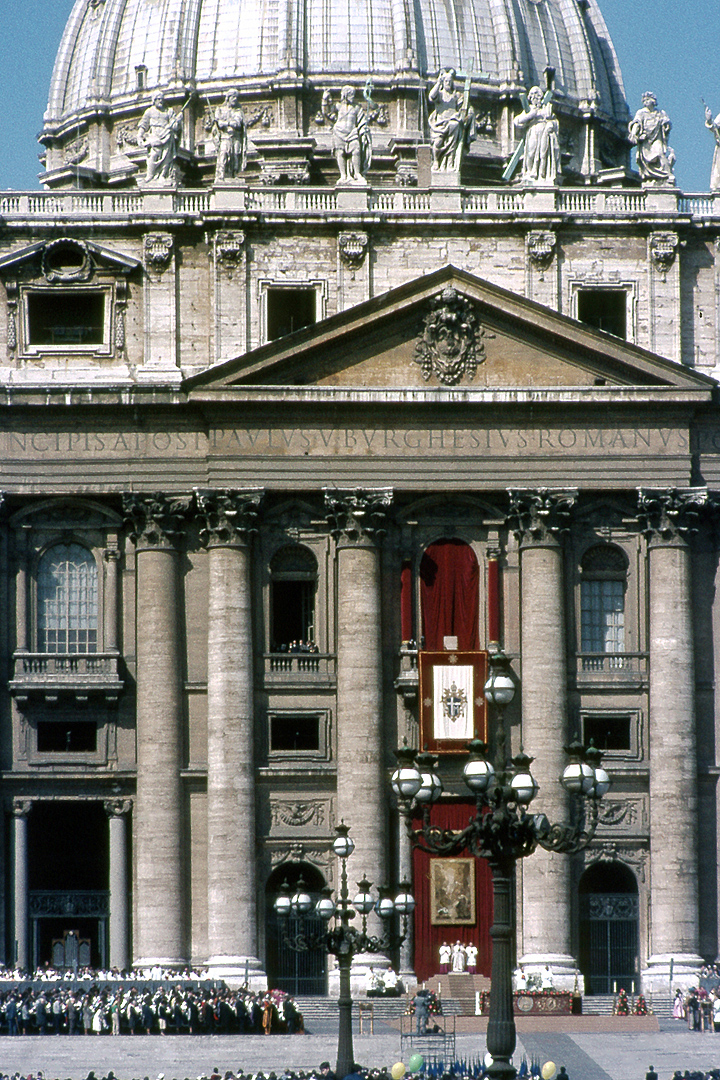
(577, 285)
(265, 285)
(324, 750)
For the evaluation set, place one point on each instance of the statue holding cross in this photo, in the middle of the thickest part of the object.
(452, 122)
(539, 147)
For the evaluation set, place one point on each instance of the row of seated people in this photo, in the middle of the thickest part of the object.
(47, 973)
(177, 1010)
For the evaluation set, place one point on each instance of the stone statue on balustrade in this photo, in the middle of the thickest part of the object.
(648, 131)
(351, 140)
(541, 144)
(452, 122)
(230, 135)
(714, 126)
(159, 131)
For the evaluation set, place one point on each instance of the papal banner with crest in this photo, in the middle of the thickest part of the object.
(452, 700)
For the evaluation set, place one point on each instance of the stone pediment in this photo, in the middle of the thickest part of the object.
(450, 330)
(66, 259)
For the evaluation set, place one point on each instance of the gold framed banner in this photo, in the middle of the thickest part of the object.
(452, 892)
(453, 709)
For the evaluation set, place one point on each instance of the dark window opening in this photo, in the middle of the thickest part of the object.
(294, 733)
(292, 614)
(289, 310)
(70, 737)
(66, 318)
(607, 732)
(605, 309)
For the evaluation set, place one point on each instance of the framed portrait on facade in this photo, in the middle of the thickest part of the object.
(452, 892)
(452, 700)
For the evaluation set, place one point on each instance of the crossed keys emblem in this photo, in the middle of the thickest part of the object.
(454, 702)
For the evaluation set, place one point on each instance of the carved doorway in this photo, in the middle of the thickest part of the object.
(301, 973)
(609, 938)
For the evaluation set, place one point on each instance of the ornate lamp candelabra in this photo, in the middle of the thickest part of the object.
(502, 831)
(342, 940)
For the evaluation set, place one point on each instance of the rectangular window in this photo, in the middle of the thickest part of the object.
(289, 310)
(602, 616)
(293, 613)
(67, 737)
(608, 732)
(605, 309)
(295, 733)
(65, 318)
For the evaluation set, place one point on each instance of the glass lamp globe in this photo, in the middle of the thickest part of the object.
(301, 902)
(431, 788)
(602, 783)
(478, 773)
(283, 905)
(325, 908)
(404, 901)
(363, 902)
(406, 781)
(578, 778)
(343, 845)
(499, 689)
(385, 907)
(524, 787)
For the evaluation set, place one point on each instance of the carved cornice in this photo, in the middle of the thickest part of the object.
(353, 248)
(670, 515)
(156, 521)
(452, 342)
(540, 516)
(357, 516)
(117, 807)
(228, 517)
(541, 248)
(663, 248)
(158, 251)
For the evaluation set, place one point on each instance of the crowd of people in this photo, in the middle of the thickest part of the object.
(297, 647)
(47, 973)
(700, 1007)
(178, 1009)
(458, 957)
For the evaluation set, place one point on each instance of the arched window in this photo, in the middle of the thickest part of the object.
(67, 600)
(293, 584)
(602, 600)
(450, 600)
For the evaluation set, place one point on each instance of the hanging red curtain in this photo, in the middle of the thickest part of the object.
(429, 937)
(449, 594)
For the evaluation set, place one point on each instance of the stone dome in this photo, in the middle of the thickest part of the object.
(115, 52)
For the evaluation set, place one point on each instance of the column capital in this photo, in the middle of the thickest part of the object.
(155, 520)
(117, 807)
(357, 516)
(670, 515)
(228, 518)
(540, 516)
(21, 807)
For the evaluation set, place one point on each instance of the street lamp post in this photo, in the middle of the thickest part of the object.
(502, 831)
(342, 940)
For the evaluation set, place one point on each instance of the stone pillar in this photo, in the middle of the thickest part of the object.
(357, 521)
(539, 519)
(228, 521)
(21, 810)
(668, 518)
(112, 558)
(21, 585)
(117, 811)
(156, 527)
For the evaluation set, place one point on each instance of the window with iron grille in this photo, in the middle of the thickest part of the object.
(602, 600)
(67, 600)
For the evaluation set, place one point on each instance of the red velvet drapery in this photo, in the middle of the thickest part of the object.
(429, 938)
(449, 595)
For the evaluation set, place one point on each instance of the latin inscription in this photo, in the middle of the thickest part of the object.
(357, 442)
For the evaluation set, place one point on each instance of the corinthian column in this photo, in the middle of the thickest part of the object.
(668, 518)
(118, 811)
(539, 519)
(156, 527)
(21, 810)
(357, 521)
(228, 520)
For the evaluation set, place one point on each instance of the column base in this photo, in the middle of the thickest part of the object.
(238, 971)
(563, 969)
(685, 972)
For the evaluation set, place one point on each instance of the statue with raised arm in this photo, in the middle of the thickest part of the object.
(158, 131)
(351, 140)
(714, 126)
(230, 135)
(648, 131)
(452, 123)
(541, 146)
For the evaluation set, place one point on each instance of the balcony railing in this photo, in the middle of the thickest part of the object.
(305, 667)
(612, 667)
(49, 675)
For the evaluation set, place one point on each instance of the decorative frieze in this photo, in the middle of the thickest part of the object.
(158, 251)
(157, 520)
(635, 856)
(357, 516)
(228, 517)
(669, 514)
(353, 248)
(625, 815)
(537, 516)
(289, 814)
(452, 342)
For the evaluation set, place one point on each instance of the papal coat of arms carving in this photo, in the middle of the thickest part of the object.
(451, 345)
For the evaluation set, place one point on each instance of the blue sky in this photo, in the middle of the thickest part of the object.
(670, 47)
